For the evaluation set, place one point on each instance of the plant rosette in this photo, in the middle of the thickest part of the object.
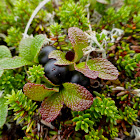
(73, 95)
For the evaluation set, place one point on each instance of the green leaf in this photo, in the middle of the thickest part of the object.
(78, 40)
(51, 107)
(25, 50)
(86, 127)
(92, 108)
(80, 118)
(78, 125)
(3, 111)
(1, 72)
(106, 69)
(75, 119)
(115, 123)
(29, 48)
(76, 97)
(38, 92)
(83, 68)
(48, 83)
(86, 115)
(103, 111)
(107, 119)
(15, 62)
(96, 115)
(4, 52)
(100, 132)
(97, 109)
(111, 120)
(82, 126)
(88, 121)
(60, 57)
(36, 45)
(106, 112)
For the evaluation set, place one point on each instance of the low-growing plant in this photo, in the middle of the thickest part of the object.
(72, 14)
(23, 107)
(81, 98)
(112, 131)
(61, 80)
(35, 74)
(95, 135)
(129, 114)
(102, 109)
(83, 122)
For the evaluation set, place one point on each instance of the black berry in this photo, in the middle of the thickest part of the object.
(43, 55)
(79, 78)
(56, 74)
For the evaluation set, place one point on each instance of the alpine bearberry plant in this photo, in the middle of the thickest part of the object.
(71, 94)
(75, 75)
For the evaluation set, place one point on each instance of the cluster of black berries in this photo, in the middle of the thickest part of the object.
(59, 74)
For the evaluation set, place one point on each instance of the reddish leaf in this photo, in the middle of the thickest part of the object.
(60, 57)
(83, 68)
(51, 107)
(48, 83)
(38, 92)
(78, 40)
(76, 97)
(105, 68)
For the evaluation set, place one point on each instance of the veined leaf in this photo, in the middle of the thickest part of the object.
(48, 83)
(51, 107)
(78, 40)
(36, 45)
(83, 68)
(38, 92)
(3, 111)
(29, 48)
(4, 52)
(60, 57)
(15, 62)
(25, 50)
(105, 68)
(76, 97)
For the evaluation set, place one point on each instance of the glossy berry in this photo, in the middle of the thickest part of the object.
(56, 74)
(43, 55)
(79, 78)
